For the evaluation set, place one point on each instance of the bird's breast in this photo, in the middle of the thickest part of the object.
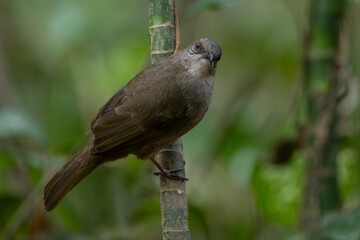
(197, 94)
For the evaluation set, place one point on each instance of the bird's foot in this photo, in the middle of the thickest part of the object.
(169, 174)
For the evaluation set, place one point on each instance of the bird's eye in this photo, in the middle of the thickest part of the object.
(198, 45)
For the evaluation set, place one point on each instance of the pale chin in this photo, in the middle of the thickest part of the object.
(201, 67)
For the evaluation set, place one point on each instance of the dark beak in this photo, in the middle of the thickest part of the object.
(209, 56)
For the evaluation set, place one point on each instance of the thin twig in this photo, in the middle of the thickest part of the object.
(177, 29)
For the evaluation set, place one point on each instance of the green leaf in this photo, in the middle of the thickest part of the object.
(278, 191)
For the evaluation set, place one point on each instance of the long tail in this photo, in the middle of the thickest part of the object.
(69, 176)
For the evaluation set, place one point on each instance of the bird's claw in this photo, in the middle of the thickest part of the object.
(169, 174)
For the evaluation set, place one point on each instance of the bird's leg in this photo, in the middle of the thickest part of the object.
(167, 173)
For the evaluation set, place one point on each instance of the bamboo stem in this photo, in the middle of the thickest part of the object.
(321, 78)
(174, 210)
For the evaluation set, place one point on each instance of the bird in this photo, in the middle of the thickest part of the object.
(156, 107)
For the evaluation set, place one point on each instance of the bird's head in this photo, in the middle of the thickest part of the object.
(203, 56)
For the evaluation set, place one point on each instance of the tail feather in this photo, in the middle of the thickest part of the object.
(69, 176)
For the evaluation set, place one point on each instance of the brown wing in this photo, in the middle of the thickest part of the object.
(113, 129)
(136, 113)
(113, 125)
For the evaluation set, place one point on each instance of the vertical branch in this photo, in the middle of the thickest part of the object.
(161, 29)
(177, 29)
(174, 210)
(321, 78)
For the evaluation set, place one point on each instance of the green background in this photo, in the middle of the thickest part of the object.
(60, 61)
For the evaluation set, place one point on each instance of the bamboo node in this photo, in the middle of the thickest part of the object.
(161, 52)
(167, 24)
(175, 230)
(178, 190)
(170, 150)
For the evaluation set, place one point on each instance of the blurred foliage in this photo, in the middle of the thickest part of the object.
(342, 226)
(61, 60)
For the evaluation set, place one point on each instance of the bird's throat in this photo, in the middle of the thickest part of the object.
(201, 68)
